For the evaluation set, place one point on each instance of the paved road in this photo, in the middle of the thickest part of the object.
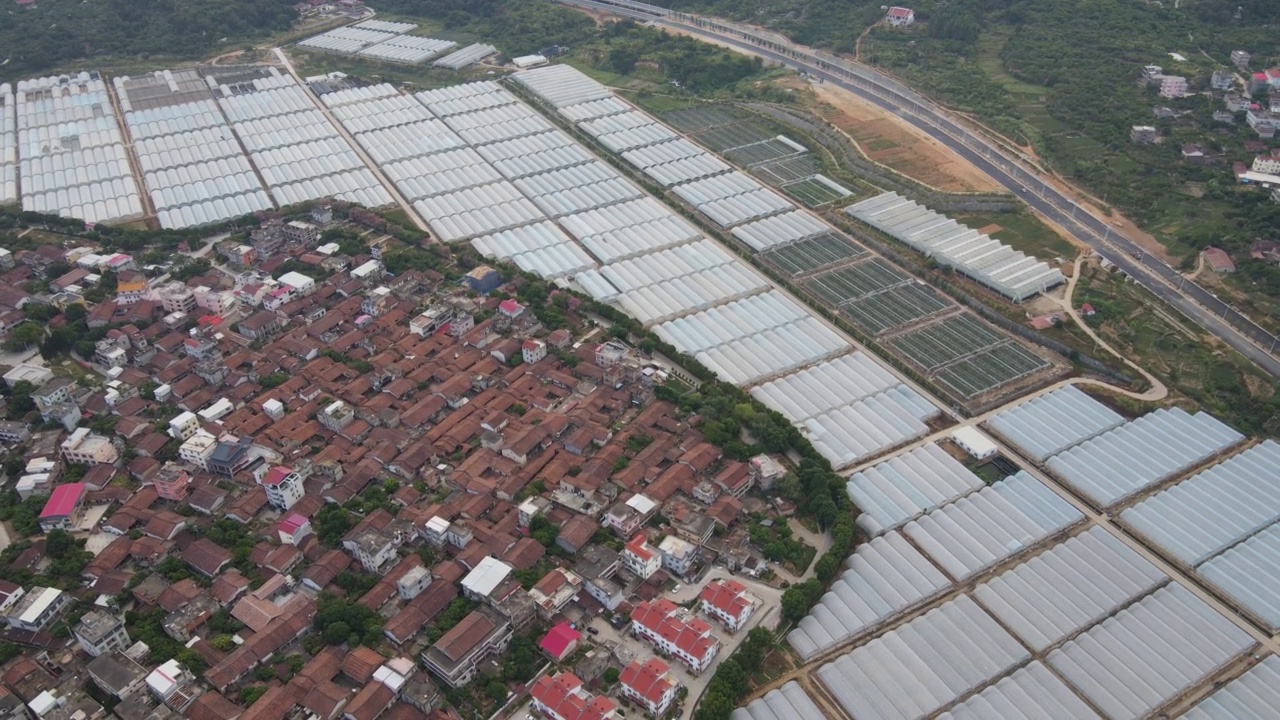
(1198, 304)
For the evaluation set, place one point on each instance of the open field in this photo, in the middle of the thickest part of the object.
(698, 118)
(788, 170)
(891, 141)
(1022, 231)
(726, 137)
(989, 369)
(761, 153)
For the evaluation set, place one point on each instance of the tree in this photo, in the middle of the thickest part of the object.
(543, 530)
(58, 543)
(496, 691)
(24, 336)
(610, 677)
(337, 633)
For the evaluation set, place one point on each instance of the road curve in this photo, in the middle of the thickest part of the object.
(1198, 304)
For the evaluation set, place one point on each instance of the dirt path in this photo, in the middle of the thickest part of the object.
(1158, 390)
(895, 143)
(1199, 267)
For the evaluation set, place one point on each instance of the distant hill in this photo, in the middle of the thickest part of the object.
(61, 32)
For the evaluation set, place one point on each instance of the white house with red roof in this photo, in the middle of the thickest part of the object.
(532, 351)
(511, 309)
(641, 559)
(560, 642)
(729, 602)
(650, 685)
(669, 628)
(283, 486)
(293, 528)
(62, 511)
(563, 697)
(900, 16)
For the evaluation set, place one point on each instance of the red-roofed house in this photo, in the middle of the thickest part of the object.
(729, 602)
(669, 628)
(511, 308)
(62, 511)
(900, 16)
(560, 642)
(641, 559)
(651, 685)
(293, 528)
(563, 697)
(1219, 260)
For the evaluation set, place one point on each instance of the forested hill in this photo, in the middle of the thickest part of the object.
(62, 32)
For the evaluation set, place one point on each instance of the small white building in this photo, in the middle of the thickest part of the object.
(532, 351)
(84, 448)
(218, 410)
(900, 16)
(301, 284)
(368, 271)
(485, 578)
(972, 441)
(197, 449)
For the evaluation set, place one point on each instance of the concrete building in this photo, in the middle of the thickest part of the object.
(374, 549)
(184, 426)
(677, 554)
(284, 487)
(176, 297)
(456, 655)
(485, 578)
(302, 233)
(131, 288)
(172, 481)
(531, 351)
(39, 608)
(85, 448)
(431, 320)
(198, 449)
(413, 583)
(336, 416)
(640, 558)
(1143, 134)
(293, 529)
(117, 674)
(531, 508)
(100, 632)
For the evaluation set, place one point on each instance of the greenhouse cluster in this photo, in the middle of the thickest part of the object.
(1007, 271)
(8, 146)
(298, 152)
(467, 56)
(71, 155)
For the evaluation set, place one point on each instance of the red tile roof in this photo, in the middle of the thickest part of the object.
(692, 635)
(650, 680)
(565, 696)
(560, 640)
(727, 596)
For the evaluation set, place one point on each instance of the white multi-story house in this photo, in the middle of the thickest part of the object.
(184, 426)
(283, 486)
(198, 449)
(531, 351)
(411, 584)
(640, 558)
(667, 627)
(651, 685)
(373, 548)
(100, 632)
(38, 609)
(1266, 164)
(678, 554)
(84, 448)
(729, 602)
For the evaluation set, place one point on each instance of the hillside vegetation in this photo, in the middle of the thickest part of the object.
(58, 33)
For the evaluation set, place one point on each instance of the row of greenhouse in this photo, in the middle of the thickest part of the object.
(76, 164)
(8, 147)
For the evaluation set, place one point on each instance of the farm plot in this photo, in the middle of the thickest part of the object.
(762, 152)
(788, 170)
(855, 281)
(727, 137)
(696, 119)
(990, 368)
(808, 255)
(934, 346)
(895, 307)
(815, 191)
